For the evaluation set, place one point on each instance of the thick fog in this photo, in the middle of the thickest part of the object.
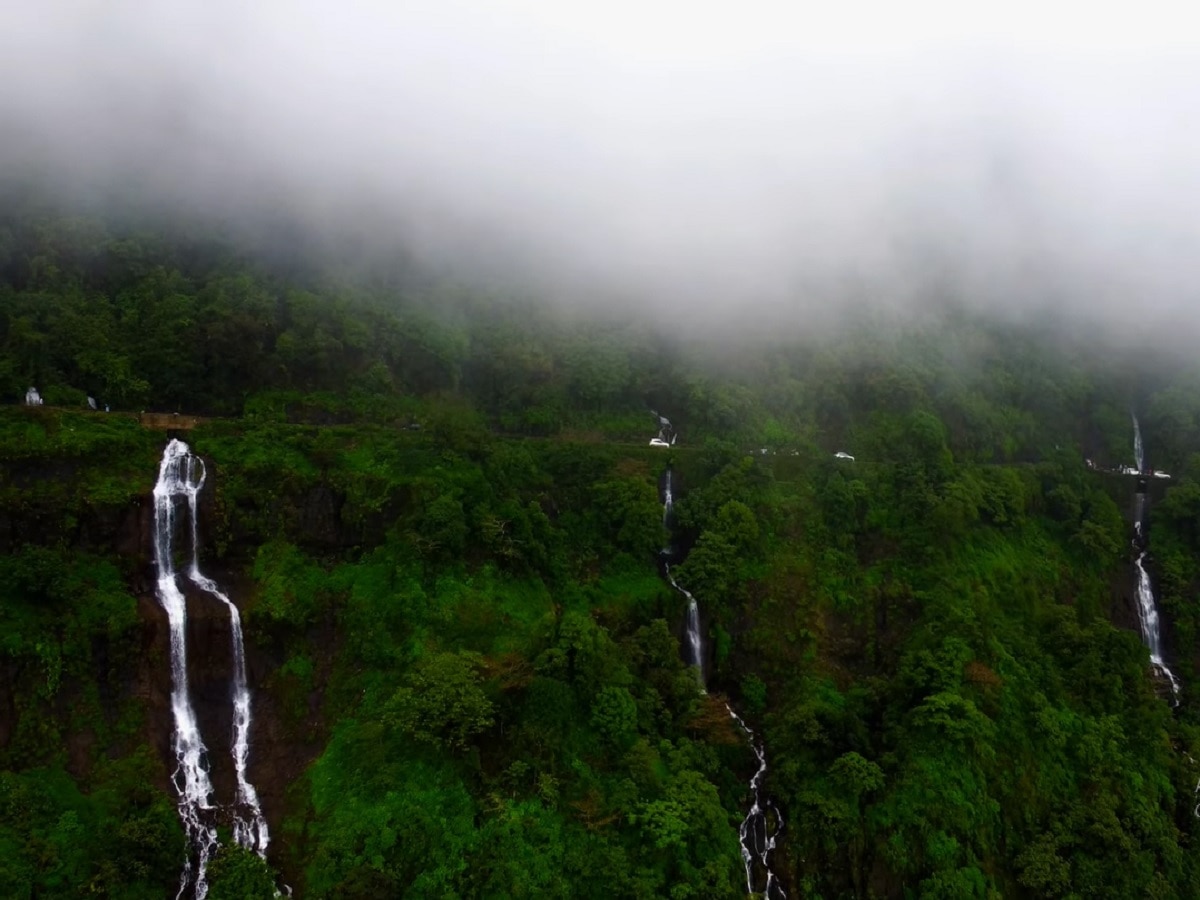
(736, 160)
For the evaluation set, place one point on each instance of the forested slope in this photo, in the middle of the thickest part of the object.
(438, 515)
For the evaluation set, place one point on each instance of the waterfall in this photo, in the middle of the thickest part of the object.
(756, 834)
(1148, 618)
(249, 826)
(1139, 451)
(666, 431)
(190, 778)
(695, 639)
(182, 475)
(1146, 604)
(1147, 607)
(668, 504)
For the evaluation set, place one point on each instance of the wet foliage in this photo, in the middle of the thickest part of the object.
(441, 520)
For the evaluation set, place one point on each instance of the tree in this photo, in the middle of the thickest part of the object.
(237, 873)
(442, 702)
(441, 530)
(737, 525)
(692, 836)
(630, 515)
(614, 715)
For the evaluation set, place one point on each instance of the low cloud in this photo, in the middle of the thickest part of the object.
(755, 161)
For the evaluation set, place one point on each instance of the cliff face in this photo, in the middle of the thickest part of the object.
(41, 513)
(462, 666)
(78, 662)
(88, 680)
(285, 735)
(281, 747)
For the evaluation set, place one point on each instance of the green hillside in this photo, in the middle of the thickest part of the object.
(440, 519)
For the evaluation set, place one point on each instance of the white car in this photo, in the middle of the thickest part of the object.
(842, 454)
(658, 442)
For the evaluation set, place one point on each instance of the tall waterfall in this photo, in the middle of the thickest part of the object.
(695, 639)
(1147, 606)
(1139, 450)
(249, 826)
(758, 840)
(191, 763)
(758, 831)
(182, 475)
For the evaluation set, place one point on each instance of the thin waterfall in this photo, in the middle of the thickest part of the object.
(668, 504)
(758, 831)
(1139, 450)
(695, 641)
(756, 834)
(182, 475)
(190, 778)
(694, 636)
(1147, 607)
(249, 826)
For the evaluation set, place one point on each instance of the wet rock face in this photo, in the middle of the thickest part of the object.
(209, 667)
(281, 747)
(134, 673)
(313, 517)
(320, 515)
(47, 509)
(8, 707)
(1123, 599)
(115, 669)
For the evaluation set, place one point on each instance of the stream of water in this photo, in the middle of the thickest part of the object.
(763, 823)
(1147, 605)
(182, 475)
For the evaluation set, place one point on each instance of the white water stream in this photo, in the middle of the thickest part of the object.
(1139, 450)
(694, 637)
(182, 475)
(191, 764)
(756, 833)
(1147, 606)
(758, 830)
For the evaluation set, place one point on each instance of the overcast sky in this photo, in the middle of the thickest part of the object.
(725, 157)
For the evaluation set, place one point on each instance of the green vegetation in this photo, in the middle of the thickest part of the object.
(464, 658)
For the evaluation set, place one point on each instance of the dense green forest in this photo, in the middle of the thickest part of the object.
(437, 511)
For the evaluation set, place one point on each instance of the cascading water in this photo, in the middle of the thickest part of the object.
(666, 431)
(668, 503)
(1146, 604)
(182, 475)
(190, 778)
(763, 823)
(695, 639)
(1139, 451)
(249, 826)
(757, 837)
